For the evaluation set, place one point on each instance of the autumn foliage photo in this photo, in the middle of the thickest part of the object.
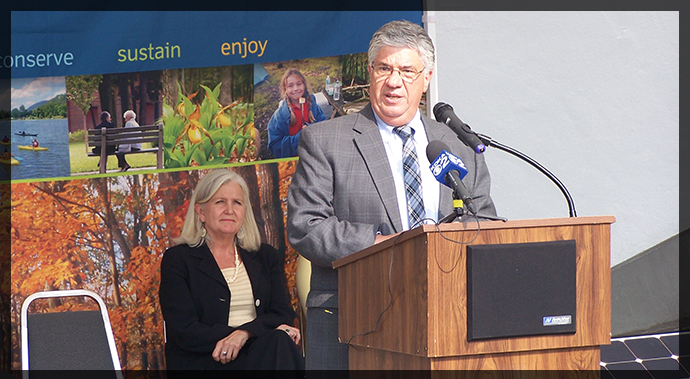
(108, 234)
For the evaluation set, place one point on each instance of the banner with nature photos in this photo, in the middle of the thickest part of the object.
(71, 227)
(108, 232)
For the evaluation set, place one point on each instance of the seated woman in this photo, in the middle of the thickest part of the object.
(130, 122)
(297, 109)
(223, 293)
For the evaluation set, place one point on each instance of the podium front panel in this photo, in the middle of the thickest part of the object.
(428, 316)
(523, 289)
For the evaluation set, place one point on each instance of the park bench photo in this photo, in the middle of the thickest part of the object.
(100, 139)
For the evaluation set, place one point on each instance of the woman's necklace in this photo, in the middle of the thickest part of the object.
(237, 265)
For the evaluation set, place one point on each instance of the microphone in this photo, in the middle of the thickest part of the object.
(444, 113)
(449, 170)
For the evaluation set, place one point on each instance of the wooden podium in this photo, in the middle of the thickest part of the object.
(425, 327)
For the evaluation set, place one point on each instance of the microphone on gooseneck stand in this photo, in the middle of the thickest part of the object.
(444, 113)
(478, 142)
(449, 170)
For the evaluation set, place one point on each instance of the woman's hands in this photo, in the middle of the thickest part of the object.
(291, 331)
(229, 347)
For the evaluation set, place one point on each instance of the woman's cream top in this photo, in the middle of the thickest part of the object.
(242, 308)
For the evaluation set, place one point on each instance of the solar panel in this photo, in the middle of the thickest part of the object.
(659, 356)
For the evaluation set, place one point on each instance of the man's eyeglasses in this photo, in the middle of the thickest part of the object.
(407, 74)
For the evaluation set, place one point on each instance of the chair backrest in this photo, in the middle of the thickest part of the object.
(68, 340)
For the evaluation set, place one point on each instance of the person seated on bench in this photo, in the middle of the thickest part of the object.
(106, 122)
(130, 121)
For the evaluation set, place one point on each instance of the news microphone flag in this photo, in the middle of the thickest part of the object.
(444, 163)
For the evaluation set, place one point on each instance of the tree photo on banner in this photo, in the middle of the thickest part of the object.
(90, 95)
(108, 234)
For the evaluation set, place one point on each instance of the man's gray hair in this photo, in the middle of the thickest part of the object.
(403, 33)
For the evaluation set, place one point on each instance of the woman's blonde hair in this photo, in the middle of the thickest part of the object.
(248, 236)
(283, 91)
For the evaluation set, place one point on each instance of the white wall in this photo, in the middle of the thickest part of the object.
(592, 96)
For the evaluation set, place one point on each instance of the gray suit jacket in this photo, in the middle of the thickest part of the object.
(342, 193)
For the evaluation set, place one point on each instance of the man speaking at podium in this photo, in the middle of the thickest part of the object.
(365, 176)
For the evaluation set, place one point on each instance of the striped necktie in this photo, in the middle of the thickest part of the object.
(411, 177)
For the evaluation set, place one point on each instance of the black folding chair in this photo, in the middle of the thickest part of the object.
(68, 340)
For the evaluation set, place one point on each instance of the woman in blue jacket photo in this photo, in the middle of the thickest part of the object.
(297, 109)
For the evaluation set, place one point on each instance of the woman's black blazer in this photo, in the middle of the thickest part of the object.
(195, 300)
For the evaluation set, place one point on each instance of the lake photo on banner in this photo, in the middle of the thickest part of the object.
(36, 163)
